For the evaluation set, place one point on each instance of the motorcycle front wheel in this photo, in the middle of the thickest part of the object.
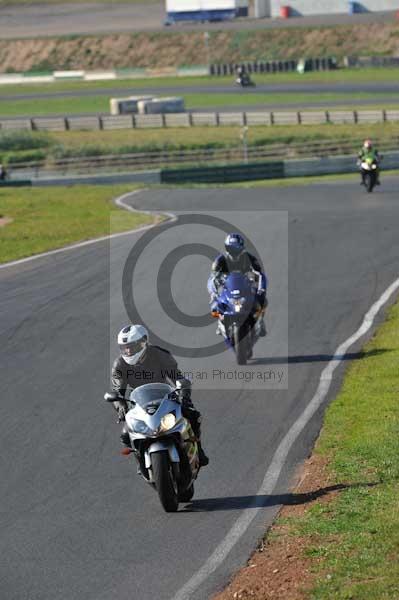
(164, 481)
(369, 180)
(240, 344)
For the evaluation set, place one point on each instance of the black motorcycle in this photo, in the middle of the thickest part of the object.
(369, 173)
(244, 80)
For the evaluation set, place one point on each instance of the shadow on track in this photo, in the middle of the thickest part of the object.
(314, 358)
(264, 501)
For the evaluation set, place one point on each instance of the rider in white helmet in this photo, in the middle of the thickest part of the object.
(139, 363)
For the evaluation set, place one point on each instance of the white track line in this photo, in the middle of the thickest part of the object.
(119, 202)
(280, 456)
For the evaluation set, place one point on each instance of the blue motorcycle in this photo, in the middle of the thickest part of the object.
(238, 311)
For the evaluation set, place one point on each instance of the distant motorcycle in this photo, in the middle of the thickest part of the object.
(369, 173)
(238, 313)
(162, 441)
(245, 81)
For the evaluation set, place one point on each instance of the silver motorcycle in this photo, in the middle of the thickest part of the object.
(162, 441)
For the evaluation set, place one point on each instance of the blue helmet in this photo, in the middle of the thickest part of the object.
(235, 245)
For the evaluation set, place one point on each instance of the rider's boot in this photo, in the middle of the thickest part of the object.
(262, 328)
(203, 459)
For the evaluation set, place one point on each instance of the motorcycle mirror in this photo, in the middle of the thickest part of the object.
(111, 396)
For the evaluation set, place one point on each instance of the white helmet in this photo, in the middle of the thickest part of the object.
(133, 342)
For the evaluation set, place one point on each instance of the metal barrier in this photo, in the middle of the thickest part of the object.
(204, 156)
(91, 123)
(224, 174)
(16, 183)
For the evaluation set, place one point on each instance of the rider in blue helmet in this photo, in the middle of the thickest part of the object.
(237, 258)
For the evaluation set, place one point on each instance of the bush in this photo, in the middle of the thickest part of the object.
(23, 140)
(24, 156)
(60, 151)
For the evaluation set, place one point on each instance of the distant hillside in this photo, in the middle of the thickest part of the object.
(188, 48)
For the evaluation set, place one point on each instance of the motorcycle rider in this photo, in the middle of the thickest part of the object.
(139, 363)
(243, 77)
(237, 258)
(368, 151)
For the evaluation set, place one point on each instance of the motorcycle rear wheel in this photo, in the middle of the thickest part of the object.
(164, 481)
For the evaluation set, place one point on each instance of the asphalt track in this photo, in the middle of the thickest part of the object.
(377, 88)
(76, 522)
(33, 20)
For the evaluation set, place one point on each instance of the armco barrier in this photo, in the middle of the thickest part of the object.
(342, 116)
(224, 174)
(319, 166)
(178, 120)
(119, 122)
(306, 167)
(219, 174)
(273, 66)
(50, 124)
(104, 179)
(390, 160)
(312, 118)
(370, 116)
(232, 119)
(16, 183)
(392, 115)
(91, 122)
(17, 124)
(332, 165)
(84, 123)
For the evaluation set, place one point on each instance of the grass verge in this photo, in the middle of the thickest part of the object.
(340, 539)
(100, 104)
(357, 535)
(48, 218)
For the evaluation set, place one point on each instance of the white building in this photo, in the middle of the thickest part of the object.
(299, 8)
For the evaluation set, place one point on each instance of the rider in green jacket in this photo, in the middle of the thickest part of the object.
(368, 151)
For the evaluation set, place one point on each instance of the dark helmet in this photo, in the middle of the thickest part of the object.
(235, 245)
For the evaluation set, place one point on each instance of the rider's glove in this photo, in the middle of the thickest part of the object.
(121, 414)
(183, 387)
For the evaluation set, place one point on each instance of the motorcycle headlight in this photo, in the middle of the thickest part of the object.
(238, 304)
(168, 422)
(374, 166)
(141, 427)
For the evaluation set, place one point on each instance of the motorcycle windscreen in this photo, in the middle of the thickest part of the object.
(237, 281)
(149, 393)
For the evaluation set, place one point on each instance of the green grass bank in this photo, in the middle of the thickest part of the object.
(42, 107)
(48, 218)
(173, 48)
(352, 541)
